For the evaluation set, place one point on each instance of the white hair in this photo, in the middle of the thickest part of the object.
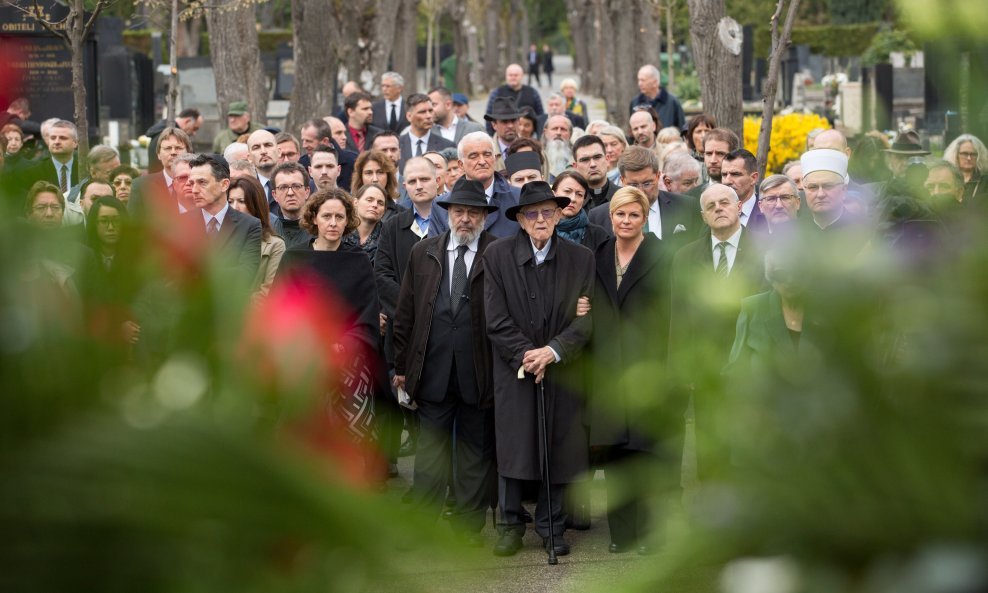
(569, 82)
(714, 186)
(472, 137)
(396, 78)
(559, 155)
(613, 132)
(678, 164)
(234, 148)
(652, 71)
(598, 123)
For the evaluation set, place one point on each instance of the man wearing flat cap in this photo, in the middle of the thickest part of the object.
(443, 362)
(238, 123)
(534, 281)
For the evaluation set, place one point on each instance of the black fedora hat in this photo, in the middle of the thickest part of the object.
(907, 142)
(535, 192)
(503, 108)
(466, 192)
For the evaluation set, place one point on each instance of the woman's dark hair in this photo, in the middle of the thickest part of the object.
(92, 219)
(531, 143)
(528, 113)
(126, 170)
(256, 201)
(701, 118)
(315, 202)
(575, 176)
(386, 164)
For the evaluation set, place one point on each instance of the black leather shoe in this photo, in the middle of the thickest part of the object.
(508, 544)
(618, 548)
(392, 470)
(562, 548)
(646, 550)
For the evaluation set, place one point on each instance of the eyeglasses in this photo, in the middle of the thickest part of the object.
(776, 199)
(821, 186)
(644, 186)
(295, 187)
(46, 207)
(968, 155)
(108, 220)
(583, 160)
(534, 214)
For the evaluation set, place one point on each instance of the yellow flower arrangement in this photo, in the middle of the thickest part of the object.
(789, 133)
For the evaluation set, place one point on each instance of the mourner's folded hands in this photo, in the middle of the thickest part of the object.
(582, 306)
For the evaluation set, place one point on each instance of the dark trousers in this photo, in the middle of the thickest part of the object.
(628, 479)
(510, 494)
(533, 70)
(475, 471)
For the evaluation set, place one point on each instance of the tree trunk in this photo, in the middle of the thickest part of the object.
(716, 41)
(75, 28)
(460, 24)
(315, 68)
(779, 46)
(404, 54)
(173, 65)
(599, 44)
(670, 49)
(519, 47)
(649, 35)
(492, 37)
(580, 18)
(621, 71)
(188, 37)
(379, 22)
(236, 57)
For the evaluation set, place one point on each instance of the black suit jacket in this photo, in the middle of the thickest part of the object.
(681, 219)
(372, 131)
(237, 245)
(381, 116)
(436, 142)
(147, 188)
(44, 170)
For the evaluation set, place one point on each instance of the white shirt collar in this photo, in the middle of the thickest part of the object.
(415, 139)
(264, 180)
(733, 239)
(747, 207)
(220, 216)
(489, 190)
(541, 254)
(396, 103)
(168, 178)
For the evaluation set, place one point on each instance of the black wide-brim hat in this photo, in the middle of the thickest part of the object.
(535, 192)
(503, 108)
(466, 192)
(907, 143)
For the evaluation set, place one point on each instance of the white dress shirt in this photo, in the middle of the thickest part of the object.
(731, 250)
(220, 216)
(449, 133)
(746, 208)
(655, 219)
(415, 141)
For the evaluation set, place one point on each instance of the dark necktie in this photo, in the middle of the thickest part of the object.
(722, 259)
(212, 227)
(459, 279)
(419, 150)
(63, 182)
(393, 124)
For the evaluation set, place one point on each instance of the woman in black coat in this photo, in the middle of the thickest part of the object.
(624, 390)
(575, 224)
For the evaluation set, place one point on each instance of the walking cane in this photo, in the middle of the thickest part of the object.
(544, 430)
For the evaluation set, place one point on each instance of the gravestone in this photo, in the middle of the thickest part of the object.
(43, 65)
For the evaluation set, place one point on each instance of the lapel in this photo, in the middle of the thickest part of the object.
(478, 267)
(641, 264)
(493, 216)
(745, 257)
(776, 323)
(227, 230)
(458, 134)
(606, 270)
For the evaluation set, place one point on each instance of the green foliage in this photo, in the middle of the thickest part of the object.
(687, 87)
(140, 40)
(844, 12)
(829, 40)
(885, 42)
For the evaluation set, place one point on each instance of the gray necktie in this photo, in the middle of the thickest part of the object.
(63, 183)
(722, 259)
(212, 226)
(459, 279)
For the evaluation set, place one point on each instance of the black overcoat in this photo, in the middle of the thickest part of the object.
(529, 307)
(627, 397)
(420, 288)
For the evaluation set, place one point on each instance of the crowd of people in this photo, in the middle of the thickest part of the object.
(526, 302)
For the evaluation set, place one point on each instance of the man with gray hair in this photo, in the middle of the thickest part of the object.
(778, 201)
(681, 172)
(389, 112)
(556, 105)
(61, 167)
(477, 156)
(662, 101)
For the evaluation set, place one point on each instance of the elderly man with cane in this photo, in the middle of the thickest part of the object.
(534, 283)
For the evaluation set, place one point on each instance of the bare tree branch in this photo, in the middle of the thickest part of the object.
(779, 45)
(35, 16)
(100, 6)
